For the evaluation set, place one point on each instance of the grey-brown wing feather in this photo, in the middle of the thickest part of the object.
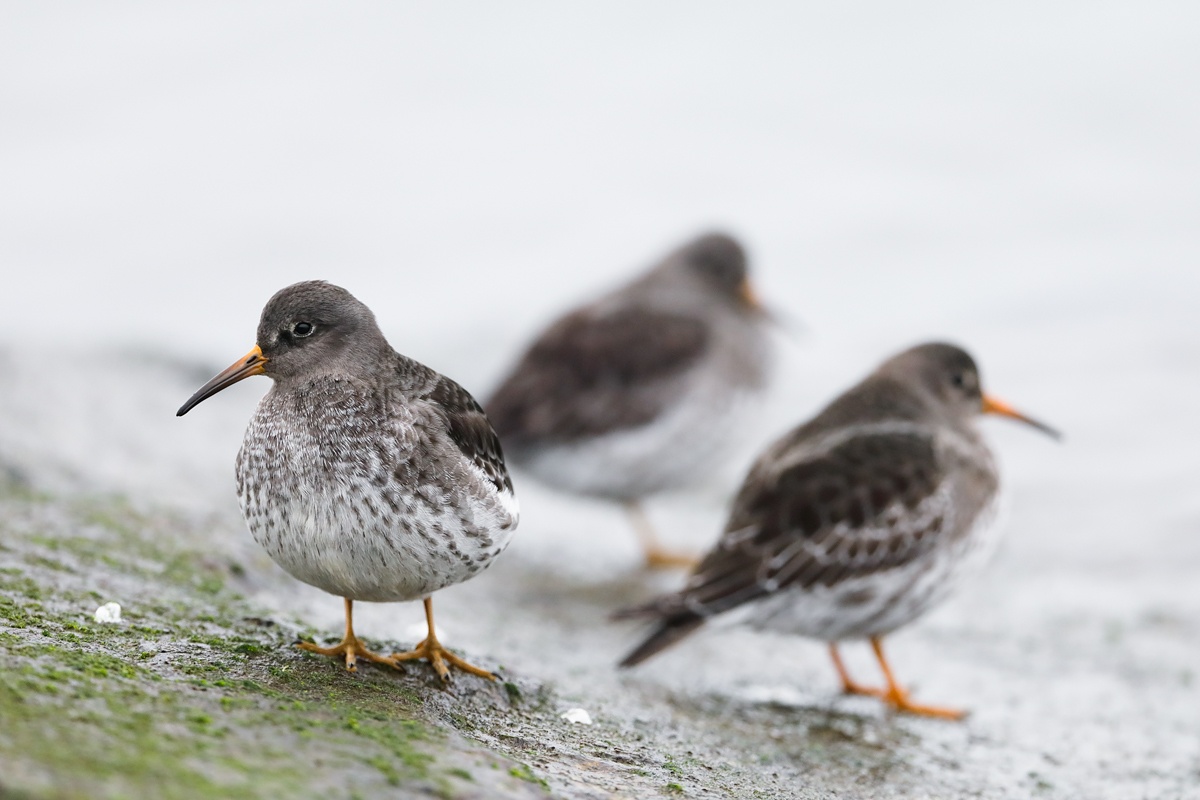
(871, 503)
(471, 431)
(590, 374)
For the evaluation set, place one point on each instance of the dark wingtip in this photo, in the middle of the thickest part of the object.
(632, 612)
(639, 654)
(667, 634)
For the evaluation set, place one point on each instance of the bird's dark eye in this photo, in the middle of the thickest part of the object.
(959, 380)
(302, 329)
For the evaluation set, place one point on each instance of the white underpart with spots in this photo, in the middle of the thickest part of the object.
(357, 514)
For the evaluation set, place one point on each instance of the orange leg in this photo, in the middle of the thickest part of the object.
(350, 647)
(657, 556)
(431, 649)
(897, 697)
(848, 684)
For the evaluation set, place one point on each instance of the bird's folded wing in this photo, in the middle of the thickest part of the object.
(471, 432)
(872, 503)
(591, 374)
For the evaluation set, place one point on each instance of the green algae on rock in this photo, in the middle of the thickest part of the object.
(191, 694)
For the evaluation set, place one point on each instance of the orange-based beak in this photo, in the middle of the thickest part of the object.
(250, 364)
(748, 297)
(749, 300)
(991, 405)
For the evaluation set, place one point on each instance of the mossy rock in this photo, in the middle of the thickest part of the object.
(194, 693)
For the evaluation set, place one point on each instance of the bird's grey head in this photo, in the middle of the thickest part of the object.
(948, 376)
(943, 373)
(718, 261)
(314, 327)
(307, 329)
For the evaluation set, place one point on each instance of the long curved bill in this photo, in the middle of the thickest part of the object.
(992, 405)
(250, 364)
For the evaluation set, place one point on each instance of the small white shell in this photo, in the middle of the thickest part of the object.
(108, 613)
(578, 715)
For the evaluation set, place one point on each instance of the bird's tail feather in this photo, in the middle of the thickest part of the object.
(669, 631)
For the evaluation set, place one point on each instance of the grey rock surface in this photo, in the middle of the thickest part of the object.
(1075, 651)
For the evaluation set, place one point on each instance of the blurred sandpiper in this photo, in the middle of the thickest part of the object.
(858, 521)
(363, 472)
(639, 391)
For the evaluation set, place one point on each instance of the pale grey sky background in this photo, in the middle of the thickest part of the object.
(468, 168)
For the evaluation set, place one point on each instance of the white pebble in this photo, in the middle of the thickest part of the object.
(109, 612)
(579, 715)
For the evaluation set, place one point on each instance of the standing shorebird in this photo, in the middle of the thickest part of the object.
(857, 522)
(363, 472)
(636, 392)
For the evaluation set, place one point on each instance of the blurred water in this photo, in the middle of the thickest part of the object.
(1020, 178)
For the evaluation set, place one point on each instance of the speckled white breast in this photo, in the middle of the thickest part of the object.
(344, 502)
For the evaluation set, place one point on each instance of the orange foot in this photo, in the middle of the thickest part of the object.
(897, 698)
(439, 657)
(850, 687)
(431, 650)
(893, 695)
(352, 648)
(659, 558)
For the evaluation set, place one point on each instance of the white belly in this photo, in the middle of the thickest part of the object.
(335, 518)
(329, 542)
(678, 449)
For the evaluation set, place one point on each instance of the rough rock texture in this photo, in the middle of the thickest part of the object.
(1078, 664)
